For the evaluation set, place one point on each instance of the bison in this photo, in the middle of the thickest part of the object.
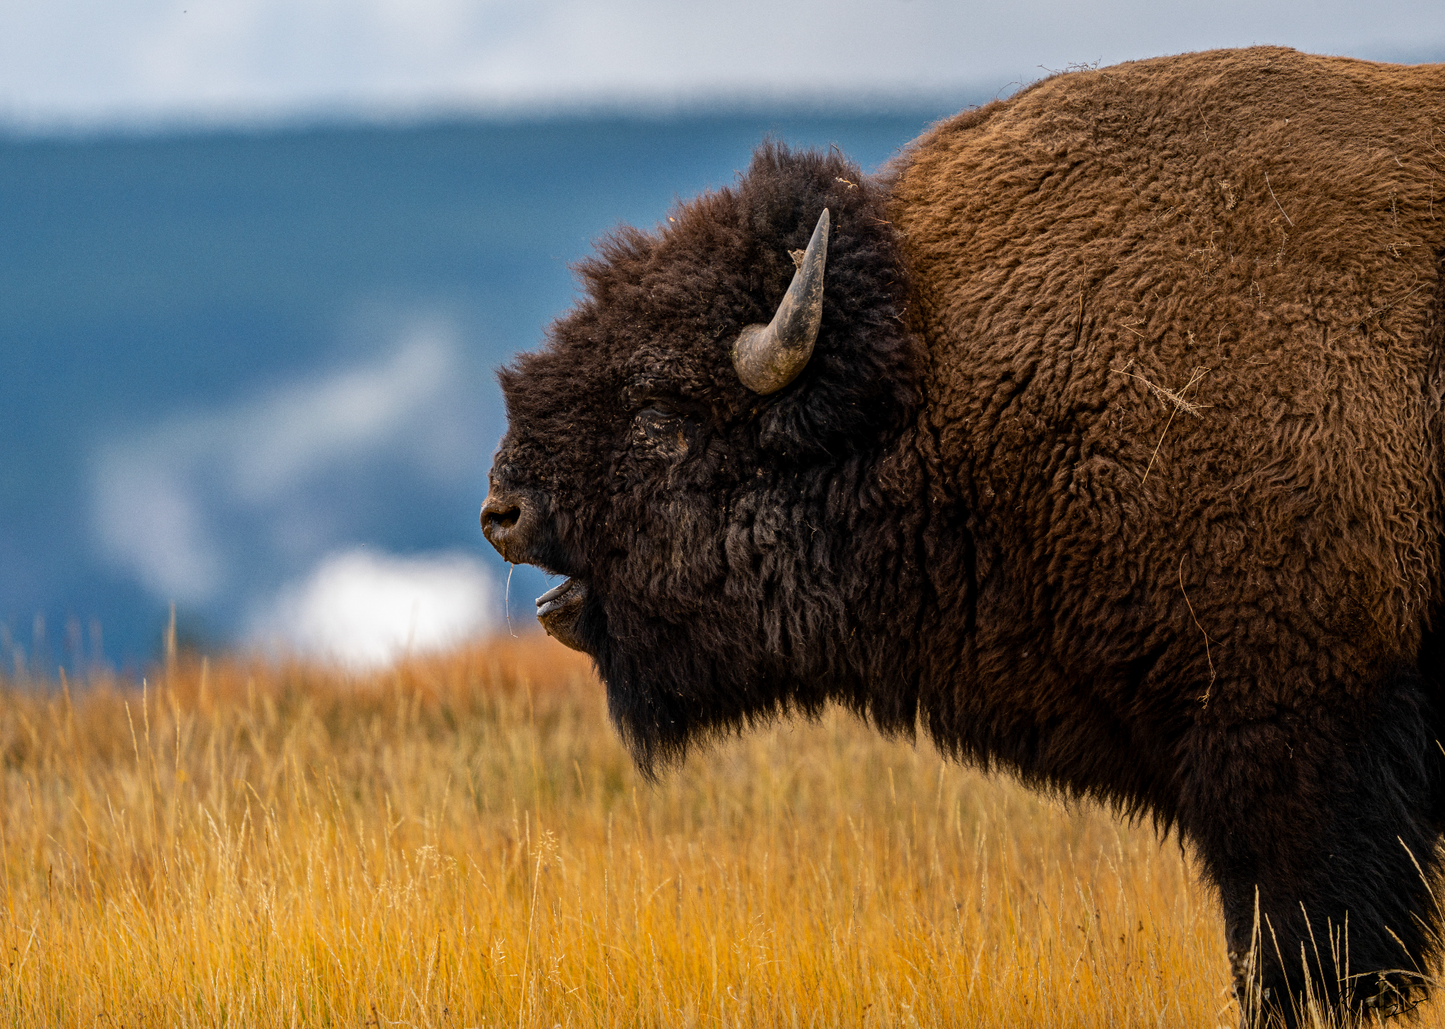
(1099, 434)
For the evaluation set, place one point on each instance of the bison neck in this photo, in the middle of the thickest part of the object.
(821, 595)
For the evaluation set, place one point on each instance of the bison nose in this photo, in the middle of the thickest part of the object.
(507, 521)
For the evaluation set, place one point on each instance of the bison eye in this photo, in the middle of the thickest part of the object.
(660, 429)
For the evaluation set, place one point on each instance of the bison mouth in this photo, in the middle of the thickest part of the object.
(558, 610)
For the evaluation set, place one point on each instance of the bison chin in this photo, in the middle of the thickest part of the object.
(656, 726)
(665, 694)
(560, 612)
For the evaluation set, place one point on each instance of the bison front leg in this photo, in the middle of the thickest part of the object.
(1319, 827)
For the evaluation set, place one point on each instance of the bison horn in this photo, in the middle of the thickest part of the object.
(768, 357)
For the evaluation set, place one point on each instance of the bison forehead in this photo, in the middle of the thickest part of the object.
(662, 309)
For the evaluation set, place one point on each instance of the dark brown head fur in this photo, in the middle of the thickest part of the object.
(726, 539)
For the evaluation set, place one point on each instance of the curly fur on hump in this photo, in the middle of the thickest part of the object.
(1117, 465)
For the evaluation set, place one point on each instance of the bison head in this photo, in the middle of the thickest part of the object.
(720, 465)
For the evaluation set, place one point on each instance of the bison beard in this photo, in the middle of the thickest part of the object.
(1116, 464)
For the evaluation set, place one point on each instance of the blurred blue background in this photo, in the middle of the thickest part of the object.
(260, 260)
(224, 355)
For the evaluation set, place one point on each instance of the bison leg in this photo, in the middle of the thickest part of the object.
(1319, 828)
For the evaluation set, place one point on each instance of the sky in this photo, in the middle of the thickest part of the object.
(87, 64)
(187, 503)
(233, 364)
(155, 492)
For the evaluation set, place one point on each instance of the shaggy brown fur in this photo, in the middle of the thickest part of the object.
(1184, 317)
(1118, 465)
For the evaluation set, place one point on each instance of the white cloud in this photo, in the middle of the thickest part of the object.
(167, 502)
(365, 609)
(147, 520)
(303, 427)
(94, 60)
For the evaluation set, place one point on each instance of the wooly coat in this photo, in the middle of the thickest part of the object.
(1116, 465)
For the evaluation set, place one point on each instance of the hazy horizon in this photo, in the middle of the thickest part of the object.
(153, 65)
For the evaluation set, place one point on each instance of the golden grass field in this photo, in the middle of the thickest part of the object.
(462, 841)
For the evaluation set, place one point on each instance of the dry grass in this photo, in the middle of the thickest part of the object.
(462, 842)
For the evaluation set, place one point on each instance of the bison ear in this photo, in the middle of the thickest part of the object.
(768, 357)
